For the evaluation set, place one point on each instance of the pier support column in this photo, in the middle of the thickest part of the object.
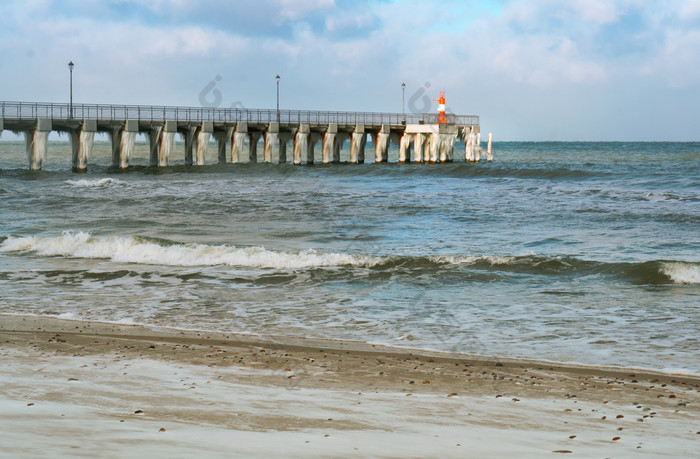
(123, 138)
(338, 145)
(189, 135)
(419, 148)
(357, 144)
(238, 146)
(82, 140)
(284, 137)
(154, 143)
(329, 143)
(36, 143)
(202, 142)
(271, 142)
(166, 142)
(381, 144)
(405, 142)
(253, 138)
(477, 148)
(222, 138)
(310, 154)
(301, 142)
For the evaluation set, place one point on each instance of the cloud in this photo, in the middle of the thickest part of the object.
(351, 55)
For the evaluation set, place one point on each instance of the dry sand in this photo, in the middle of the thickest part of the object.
(87, 389)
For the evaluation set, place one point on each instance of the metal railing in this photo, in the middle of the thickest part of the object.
(34, 110)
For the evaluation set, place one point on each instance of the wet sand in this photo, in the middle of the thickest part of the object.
(87, 389)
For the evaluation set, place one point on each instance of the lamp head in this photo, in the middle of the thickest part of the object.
(71, 65)
(277, 78)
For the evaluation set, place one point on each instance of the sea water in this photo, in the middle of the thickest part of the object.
(570, 252)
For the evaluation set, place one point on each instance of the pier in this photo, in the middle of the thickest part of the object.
(420, 138)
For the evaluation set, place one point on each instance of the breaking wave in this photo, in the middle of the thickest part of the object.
(141, 250)
(85, 183)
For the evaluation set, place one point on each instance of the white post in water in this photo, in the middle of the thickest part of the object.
(489, 156)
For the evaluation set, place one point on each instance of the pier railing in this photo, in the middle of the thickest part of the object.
(34, 110)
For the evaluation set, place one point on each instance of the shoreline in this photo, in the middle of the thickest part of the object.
(76, 387)
(127, 329)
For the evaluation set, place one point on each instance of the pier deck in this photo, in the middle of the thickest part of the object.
(420, 134)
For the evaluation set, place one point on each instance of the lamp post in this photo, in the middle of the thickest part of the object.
(70, 67)
(403, 102)
(278, 97)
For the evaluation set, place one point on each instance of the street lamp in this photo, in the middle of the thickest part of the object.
(278, 97)
(403, 102)
(70, 67)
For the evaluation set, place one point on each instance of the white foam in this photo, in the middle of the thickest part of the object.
(682, 273)
(85, 183)
(133, 250)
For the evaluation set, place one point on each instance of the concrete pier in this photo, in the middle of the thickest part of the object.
(420, 138)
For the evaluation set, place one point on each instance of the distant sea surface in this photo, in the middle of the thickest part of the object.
(569, 252)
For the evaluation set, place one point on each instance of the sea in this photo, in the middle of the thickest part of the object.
(576, 252)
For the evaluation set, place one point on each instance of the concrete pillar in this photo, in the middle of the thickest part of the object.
(329, 143)
(477, 148)
(469, 140)
(405, 142)
(81, 143)
(381, 144)
(35, 140)
(339, 140)
(489, 156)
(166, 142)
(357, 145)
(301, 142)
(123, 138)
(239, 151)
(154, 143)
(253, 138)
(419, 147)
(284, 137)
(222, 137)
(202, 142)
(189, 135)
(313, 138)
(271, 142)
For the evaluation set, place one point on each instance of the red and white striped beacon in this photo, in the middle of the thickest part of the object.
(441, 108)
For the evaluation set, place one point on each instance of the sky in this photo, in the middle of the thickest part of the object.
(531, 69)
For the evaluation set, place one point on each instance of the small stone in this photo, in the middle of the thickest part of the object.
(162, 429)
(619, 416)
(138, 412)
(563, 451)
(572, 436)
(615, 438)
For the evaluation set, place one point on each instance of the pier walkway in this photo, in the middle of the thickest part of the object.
(420, 137)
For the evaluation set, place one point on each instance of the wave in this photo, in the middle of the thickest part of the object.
(152, 251)
(85, 183)
(142, 250)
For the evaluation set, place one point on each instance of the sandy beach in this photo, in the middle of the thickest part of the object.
(87, 389)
